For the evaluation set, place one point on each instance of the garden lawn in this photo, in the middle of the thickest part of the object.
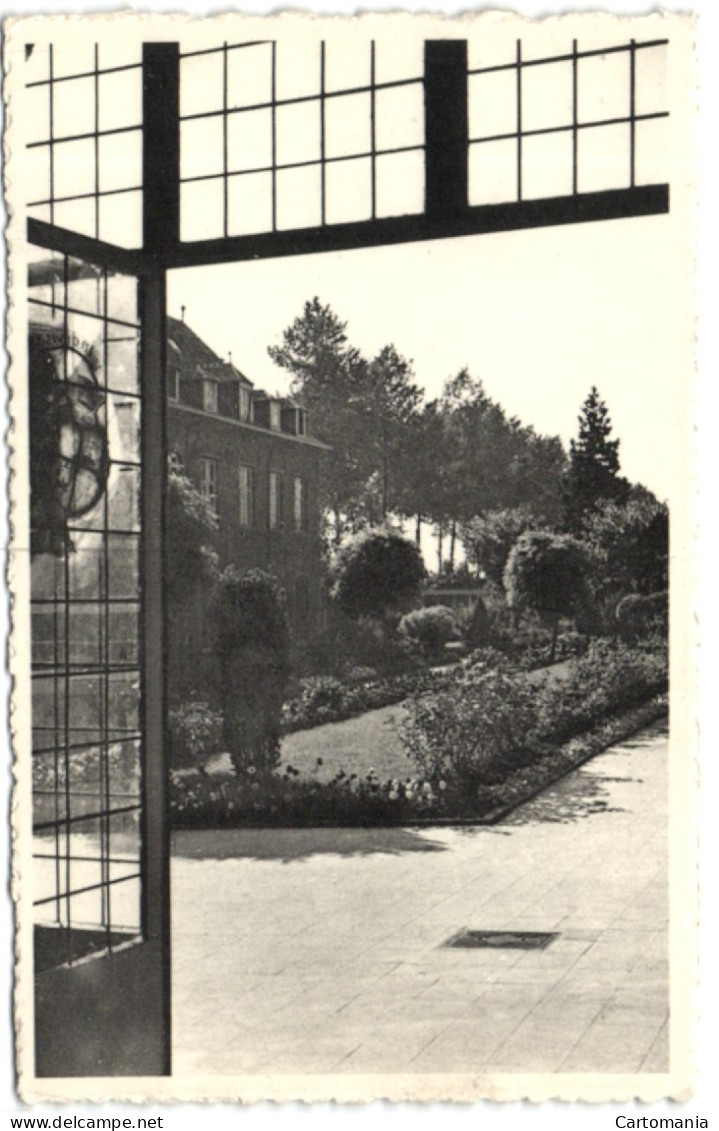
(357, 745)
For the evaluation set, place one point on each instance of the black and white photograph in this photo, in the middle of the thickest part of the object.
(353, 699)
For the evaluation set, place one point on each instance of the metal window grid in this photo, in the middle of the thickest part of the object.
(157, 187)
(351, 211)
(85, 610)
(274, 105)
(576, 125)
(60, 137)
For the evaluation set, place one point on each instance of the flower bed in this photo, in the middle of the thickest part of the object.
(489, 739)
(494, 721)
(291, 800)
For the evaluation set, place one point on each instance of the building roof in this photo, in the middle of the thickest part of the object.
(198, 357)
(199, 361)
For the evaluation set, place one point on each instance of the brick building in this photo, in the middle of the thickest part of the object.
(253, 459)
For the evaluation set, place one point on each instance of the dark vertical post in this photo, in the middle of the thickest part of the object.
(519, 119)
(373, 129)
(273, 103)
(632, 111)
(161, 234)
(155, 832)
(446, 126)
(160, 146)
(575, 118)
(323, 130)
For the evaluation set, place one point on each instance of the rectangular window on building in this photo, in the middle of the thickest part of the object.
(208, 481)
(276, 484)
(245, 407)
(247, 500)
(300, 503)
(209, 395)
(276, 415)
(173, 384)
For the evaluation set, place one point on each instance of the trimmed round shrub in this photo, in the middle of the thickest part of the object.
(376, 573)
(431, 627)
(638, 616)
(547, 573)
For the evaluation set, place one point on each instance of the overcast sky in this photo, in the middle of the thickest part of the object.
(539, 315)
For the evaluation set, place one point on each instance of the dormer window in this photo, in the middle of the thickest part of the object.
(245, 405)
(301, 422)
(209, 394)
(276, 416)
(173, 384)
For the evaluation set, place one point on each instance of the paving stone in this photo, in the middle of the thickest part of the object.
(321, 950)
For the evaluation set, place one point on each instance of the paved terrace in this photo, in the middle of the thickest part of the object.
(321, 950)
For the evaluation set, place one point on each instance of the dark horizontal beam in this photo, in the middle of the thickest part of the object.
(63, 240)
(615, 204)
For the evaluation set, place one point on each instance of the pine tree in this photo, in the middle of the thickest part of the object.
(593, 472)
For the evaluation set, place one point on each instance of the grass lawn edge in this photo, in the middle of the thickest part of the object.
(557, 763)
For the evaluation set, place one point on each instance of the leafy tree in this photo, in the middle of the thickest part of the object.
(442, 462)
(547, 573)
(593, 472)
(391, 401)
(253, 648)
(192, 561)
(328, 378)
(537, 473)
(423, 489)
(489, 538)
(490, 461)
(376, 573)
(192, 571)
(629, 543)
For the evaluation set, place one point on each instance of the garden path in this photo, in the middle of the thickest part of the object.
(320, 951)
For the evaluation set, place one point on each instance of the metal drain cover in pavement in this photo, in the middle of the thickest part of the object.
(518, 940)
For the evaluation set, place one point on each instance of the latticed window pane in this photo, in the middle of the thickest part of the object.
(85, 491)
(86, 114)
(547, 96)
(651, 140)
(603, 87)
(493, 172)
(604, 158)
(546, 165)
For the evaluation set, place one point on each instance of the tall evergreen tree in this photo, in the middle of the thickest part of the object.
(593, 472)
